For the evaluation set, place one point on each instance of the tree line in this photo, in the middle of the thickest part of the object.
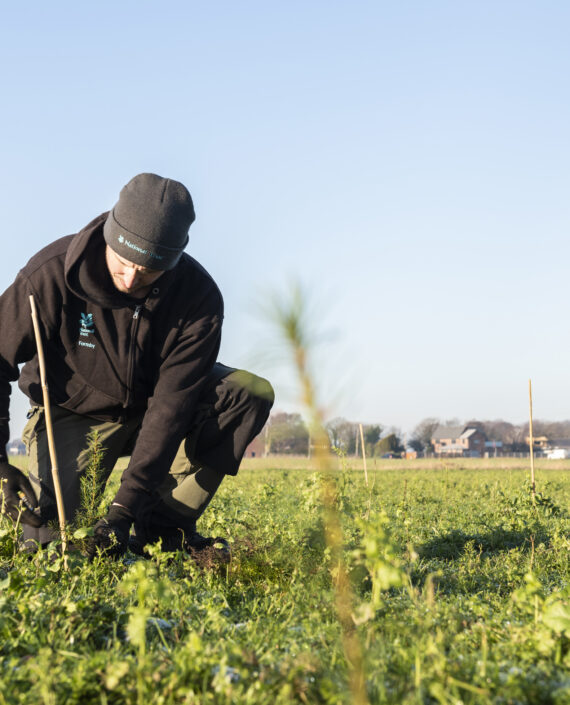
(288, 434)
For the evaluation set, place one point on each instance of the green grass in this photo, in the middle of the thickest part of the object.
(462, 595)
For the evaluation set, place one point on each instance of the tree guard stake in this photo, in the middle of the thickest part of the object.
(531, 443)
(363, 455)
(49, 430)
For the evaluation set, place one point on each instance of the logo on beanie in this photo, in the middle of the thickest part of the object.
(143, 251)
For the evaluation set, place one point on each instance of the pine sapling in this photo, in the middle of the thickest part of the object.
(92, 484)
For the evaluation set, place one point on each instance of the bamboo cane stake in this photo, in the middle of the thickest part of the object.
(49, 430)
(363, 454)
(356, 445)
(531, 442)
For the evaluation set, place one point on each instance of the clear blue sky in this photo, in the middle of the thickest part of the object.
(407, 162)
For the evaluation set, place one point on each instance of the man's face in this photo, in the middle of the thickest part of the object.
(130, 278)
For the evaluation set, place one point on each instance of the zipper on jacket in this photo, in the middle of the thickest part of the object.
(131, 361)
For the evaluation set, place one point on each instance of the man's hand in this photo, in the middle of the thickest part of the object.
(12, 483)
(111, 534)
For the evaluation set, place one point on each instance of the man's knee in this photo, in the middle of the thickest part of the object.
(266, 397)
(258, 388)
(263, 393)
(256, 394)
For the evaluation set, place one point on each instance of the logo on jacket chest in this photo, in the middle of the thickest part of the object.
(86, 328)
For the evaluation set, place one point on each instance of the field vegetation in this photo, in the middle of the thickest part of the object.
(460, 587)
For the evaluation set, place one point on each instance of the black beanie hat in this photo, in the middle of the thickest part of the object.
(149, 223)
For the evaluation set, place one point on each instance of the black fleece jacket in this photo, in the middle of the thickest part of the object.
(109, 356)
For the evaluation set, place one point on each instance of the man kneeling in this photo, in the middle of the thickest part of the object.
(131, 326)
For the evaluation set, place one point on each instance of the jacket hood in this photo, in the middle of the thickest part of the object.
(86, 272)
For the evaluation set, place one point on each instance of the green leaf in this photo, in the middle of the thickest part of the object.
(83, 532)
(556, 616)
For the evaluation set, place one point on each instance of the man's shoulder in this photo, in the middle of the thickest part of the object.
(195, 288)
(50, 257)
(192, 272)
(187, 263)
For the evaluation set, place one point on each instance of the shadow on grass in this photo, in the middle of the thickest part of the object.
(451, 545)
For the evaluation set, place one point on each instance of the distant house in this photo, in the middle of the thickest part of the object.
(540, 442)
(493, 448)
(466, 441)
(16, 447)
(256, 449)
(553, 448)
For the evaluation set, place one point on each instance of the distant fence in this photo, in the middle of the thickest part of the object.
(442, 456)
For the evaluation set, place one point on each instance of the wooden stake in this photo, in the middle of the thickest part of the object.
(266, 445)
(49, 430)
(363, 454)
(356, 445)
(531, 442)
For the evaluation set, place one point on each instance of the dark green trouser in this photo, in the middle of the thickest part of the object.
(231, 411)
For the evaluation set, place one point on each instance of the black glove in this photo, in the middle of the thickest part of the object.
(111, 534)
(12, 482)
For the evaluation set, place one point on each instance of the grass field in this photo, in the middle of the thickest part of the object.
(460, 586)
